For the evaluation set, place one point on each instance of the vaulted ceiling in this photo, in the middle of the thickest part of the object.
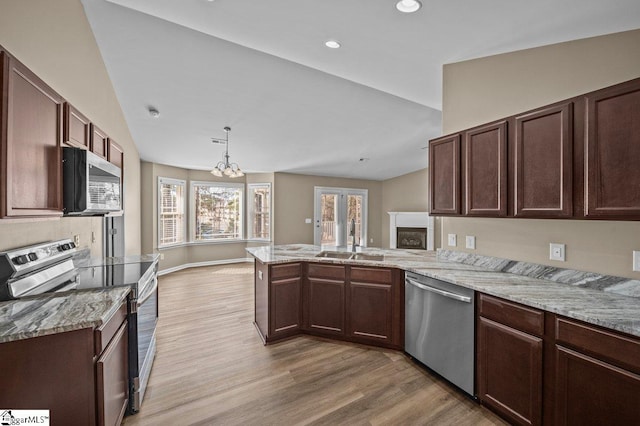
(261, 67)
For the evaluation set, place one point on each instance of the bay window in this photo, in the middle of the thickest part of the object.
(171, 211)
(216, 211)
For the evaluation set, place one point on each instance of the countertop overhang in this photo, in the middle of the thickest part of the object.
(603, 308)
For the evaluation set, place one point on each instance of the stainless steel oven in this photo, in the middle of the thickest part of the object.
(142, 276)
(146, 321)
(55, 267)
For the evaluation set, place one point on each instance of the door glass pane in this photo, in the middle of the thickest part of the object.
(354, 211)
(329, 218)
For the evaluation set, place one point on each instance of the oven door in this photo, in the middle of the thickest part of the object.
(147, 319)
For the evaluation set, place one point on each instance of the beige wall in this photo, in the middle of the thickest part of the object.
(407, 193)
(293, 200)
(53, 38)
(191, 253)
(486, 89)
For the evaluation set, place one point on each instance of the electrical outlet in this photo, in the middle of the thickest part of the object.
(636, 260)
(452, 240)
(470, 242)
(76, 240)
(161, 256)
(557, 251)
(371, 240)
(93, 237)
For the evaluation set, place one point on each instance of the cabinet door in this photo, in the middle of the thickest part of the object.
(32, 163)
(593, 392)
(485, 153)
(76, 128)
(115, 154)
(112, 374)
(510, 372)
(612, 175)
(444, 176)
(285, 307)
(544, 162)
(325, 306)
(370, 311)
(99, 142)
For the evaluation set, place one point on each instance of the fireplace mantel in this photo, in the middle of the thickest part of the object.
(410, 220)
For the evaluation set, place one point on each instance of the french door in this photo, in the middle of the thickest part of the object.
(334, 208)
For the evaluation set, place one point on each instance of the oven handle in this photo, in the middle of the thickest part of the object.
(438, 291)
(149, 293)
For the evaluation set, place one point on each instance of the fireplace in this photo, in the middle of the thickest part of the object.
(419, 226)
(411, 238)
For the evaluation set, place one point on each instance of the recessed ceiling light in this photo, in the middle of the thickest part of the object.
(408, 6)
(332, 44)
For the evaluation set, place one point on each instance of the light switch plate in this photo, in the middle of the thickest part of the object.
(308, 220)
(556, 251)
(470, 242)
(452, 240)
(636, 260)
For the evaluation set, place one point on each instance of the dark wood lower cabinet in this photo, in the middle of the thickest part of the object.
(536, 367)
(278, 300)
(325, 306)
(593, 392)
(112, 379)
(374, 306)
(510, 372)
(359, 304)
(70, 374)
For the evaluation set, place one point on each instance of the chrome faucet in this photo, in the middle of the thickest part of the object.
(352, 233)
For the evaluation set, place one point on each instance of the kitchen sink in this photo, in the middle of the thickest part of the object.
(353, 256)
(334, 254)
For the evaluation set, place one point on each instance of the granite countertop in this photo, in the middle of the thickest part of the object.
(58, 312)
(611, 302)
(83, 260)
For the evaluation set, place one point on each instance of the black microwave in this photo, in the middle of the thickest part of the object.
(90, 184)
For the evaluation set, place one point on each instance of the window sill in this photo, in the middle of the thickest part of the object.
(201, 243)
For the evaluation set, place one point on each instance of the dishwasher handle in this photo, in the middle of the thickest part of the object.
(444, 293)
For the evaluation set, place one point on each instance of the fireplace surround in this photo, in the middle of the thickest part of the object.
(420, 220)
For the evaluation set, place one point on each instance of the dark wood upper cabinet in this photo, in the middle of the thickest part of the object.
(444, 175)
(485, 170)
(76, 128)
(115, 154)
(613, 152)
(543, 156)
(99, 142)
(574, 159)
(31, 133)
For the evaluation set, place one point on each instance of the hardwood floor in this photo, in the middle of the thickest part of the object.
(211, 368)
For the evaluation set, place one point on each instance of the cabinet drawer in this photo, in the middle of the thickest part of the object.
(288, 270)
(612, 347)
(372, 275)
(325, 271)
(104, 333)
(514, 315)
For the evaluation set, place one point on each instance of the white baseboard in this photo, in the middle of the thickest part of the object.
(207, 263)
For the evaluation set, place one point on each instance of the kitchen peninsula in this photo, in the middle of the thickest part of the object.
(543, 346)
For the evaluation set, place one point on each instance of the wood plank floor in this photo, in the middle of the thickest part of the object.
(212, 369)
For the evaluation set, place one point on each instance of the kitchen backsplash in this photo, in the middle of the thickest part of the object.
(607, 283)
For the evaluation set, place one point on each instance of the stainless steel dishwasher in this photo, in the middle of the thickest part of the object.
(439, 328)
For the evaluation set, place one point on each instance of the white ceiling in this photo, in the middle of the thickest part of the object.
(294, 105)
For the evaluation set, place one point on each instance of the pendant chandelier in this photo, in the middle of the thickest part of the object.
(224, 168)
